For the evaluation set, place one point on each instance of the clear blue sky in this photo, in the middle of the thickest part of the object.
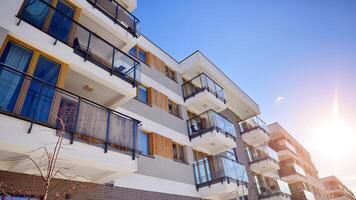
(301, 50)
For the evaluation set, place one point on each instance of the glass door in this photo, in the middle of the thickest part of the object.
(18, 58)
(39, 96)
(60, 26)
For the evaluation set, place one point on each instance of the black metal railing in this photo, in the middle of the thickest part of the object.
(51, 106)
(84, 42)
(118, 14)
(200, 83)
(217, 169)
(209, 121)
(262, 152)
(253, 123)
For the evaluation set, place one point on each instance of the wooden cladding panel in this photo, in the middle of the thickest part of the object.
(162, 146)
(157, 63)
(158, 99)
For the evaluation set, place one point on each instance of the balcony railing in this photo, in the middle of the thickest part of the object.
(253, 123)
(218, 169)
(201, 83)
(279, 188)
(209, 121)
(262, 152)
(291, 170)
(118, 14)
(84, 42)
(52, 107)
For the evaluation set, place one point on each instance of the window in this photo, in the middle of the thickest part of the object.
(170, 73)
(18, 58)
(36, 101)
(173, 108)
(142, 94)
(37, 13)
(139, 53)
(144, 143)
(178, 152)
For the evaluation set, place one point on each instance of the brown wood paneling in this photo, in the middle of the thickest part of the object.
(157, 63)
(158, 99)
(162, 146)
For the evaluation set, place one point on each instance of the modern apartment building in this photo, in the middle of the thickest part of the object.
(296, 166)
(263, 160)
(138, 123)
(336, 189)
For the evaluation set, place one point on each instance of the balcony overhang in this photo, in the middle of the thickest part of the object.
(255, 137)
(84, 161)
(203, 101)
(237, 100)
(223, 190)
(213, 142)
(293, 178)
(264, 166)
(285, 154)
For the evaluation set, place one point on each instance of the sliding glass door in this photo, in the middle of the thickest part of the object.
(18, 58)
(60, 25)
(38, 101)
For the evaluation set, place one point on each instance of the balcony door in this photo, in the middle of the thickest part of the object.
(29, 97)
(58, 21)
(60, 26)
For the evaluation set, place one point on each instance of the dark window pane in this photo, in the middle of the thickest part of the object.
(142, 94)
(60, 25)
(39, 96)
(36, 12)
(144, 142)
(142, 56)
(133, 51)
(10, 82)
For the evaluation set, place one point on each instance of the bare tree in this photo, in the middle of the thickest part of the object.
(46, 165)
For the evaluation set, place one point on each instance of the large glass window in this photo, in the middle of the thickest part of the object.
(178, 152)
(39, 97)
(35, 11)
(142, 94)
(10, 83)
(144, 142)
(60, 25)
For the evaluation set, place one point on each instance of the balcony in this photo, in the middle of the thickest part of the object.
(201, 93)
(254, 131)
(99, 145)
(292, 173)
(275, 189)
(220, 178)
(303, 195)
(211, 133)
(284, 149)
(84, 42)
(263, 159)
(118, 14)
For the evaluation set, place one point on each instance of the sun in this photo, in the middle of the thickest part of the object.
(333, 138)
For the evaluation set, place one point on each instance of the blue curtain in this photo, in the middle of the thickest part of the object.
(10, 82)
(60, 25)
(39, 96)
(35, 12)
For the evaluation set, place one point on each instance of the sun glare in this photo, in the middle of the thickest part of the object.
(333, 138)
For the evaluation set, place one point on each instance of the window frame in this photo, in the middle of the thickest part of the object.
(171, 105)
(171, 74)
(149, 142)
(180, 152)
(138, 92)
